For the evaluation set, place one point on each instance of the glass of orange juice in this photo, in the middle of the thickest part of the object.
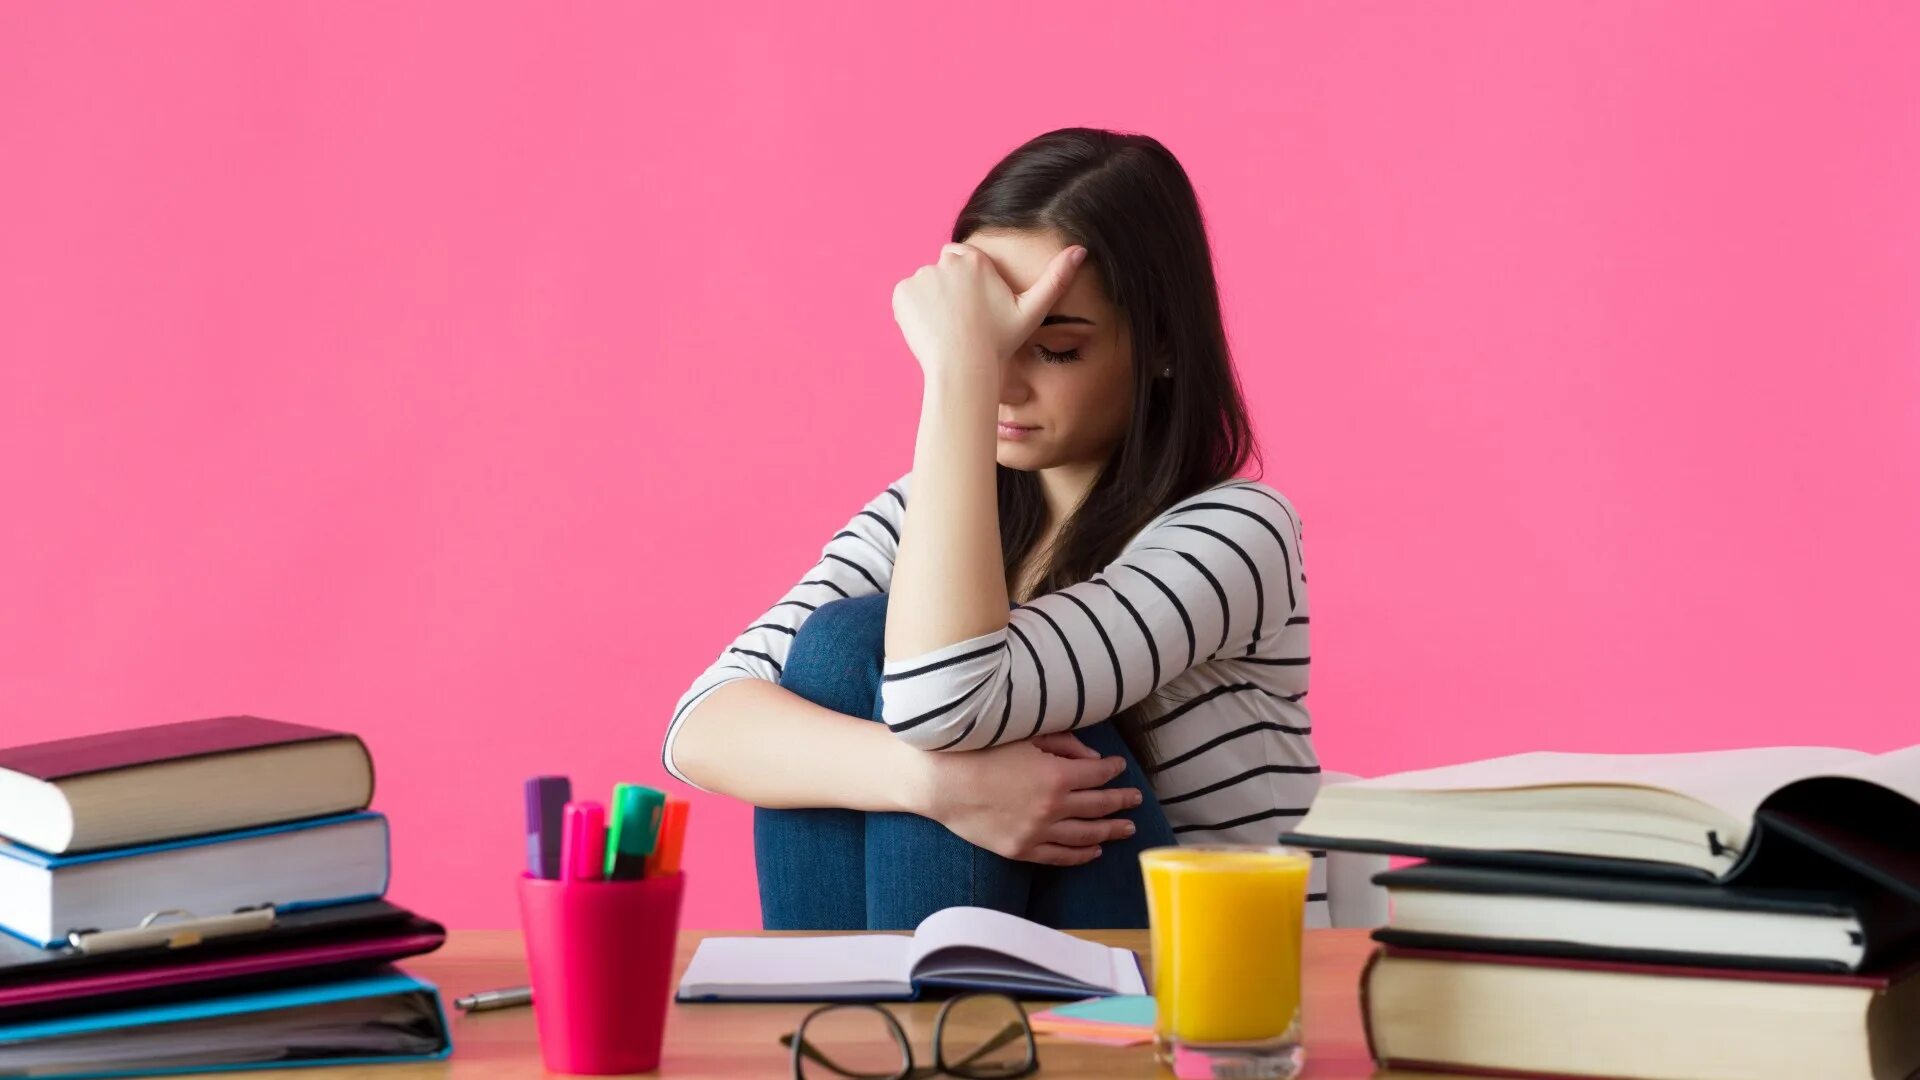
(1226, 922)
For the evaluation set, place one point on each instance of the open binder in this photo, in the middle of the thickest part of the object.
(387, 1016)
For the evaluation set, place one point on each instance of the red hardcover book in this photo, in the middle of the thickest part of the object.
(168, 781)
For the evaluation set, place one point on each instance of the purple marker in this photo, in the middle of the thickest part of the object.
(546, 797)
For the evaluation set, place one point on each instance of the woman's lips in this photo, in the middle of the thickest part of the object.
(1014, 431)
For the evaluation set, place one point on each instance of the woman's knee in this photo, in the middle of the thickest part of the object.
(836, 657)
(852, 625)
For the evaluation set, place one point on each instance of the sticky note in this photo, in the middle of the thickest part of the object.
(1129, 1010)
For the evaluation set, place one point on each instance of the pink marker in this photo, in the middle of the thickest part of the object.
(583, 840)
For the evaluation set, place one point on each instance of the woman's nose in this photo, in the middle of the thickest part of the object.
(1013, 385)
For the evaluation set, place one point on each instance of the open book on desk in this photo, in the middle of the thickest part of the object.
(1780, 815)
(964, 948)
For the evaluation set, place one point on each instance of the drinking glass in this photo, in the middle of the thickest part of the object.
(1226, 922)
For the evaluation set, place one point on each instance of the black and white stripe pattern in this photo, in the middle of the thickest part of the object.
(1203, 615)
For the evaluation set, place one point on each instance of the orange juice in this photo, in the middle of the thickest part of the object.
(1226, 926)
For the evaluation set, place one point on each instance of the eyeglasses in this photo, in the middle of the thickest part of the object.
(850, 1040)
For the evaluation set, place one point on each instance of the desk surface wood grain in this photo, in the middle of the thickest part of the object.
(742, 1040)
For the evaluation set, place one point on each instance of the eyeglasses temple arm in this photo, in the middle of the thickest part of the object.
(1012, 1031)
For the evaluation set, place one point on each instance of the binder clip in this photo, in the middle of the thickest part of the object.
(190, 930)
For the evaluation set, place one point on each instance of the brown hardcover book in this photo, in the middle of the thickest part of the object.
(1509, 1015)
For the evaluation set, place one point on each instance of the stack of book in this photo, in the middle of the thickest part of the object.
(1737, 913)
(202, 895)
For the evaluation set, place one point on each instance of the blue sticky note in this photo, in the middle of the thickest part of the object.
(1132, 1009)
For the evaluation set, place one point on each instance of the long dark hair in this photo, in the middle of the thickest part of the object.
(1129, 203)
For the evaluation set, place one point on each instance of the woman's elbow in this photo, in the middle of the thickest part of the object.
(951, 725)
(954, 729)
(680, 753)
(931, 736)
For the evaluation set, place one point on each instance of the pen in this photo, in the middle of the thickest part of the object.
(546, 796)
(583, 842)
(635, 822)
(505, 998)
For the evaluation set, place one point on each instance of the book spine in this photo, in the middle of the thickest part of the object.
(441, 1027)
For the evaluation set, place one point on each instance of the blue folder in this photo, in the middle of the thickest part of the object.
(412, 1027)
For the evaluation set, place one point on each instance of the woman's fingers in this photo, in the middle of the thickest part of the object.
(1092, 773)
(1061, 855)
(1076, 832)
(1054, 282)
(1064, 744)
(1099, 802)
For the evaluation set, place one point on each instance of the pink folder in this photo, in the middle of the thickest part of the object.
(300, 946)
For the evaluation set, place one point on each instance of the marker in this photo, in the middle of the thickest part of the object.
(636, 822)
(665, 860)
(546, 796)
(583, 842)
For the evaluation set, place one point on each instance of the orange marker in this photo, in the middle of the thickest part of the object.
(665, 859)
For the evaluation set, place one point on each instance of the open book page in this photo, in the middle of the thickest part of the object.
(975, 929)
(1734, 781)
(744, 964)
(1896, 770)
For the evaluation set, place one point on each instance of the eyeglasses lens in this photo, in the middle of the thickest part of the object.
(985, 1038)
(851, 1041)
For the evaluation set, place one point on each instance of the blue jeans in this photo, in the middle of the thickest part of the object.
(840, 869)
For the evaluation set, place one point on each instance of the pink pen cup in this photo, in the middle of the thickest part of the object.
(601, 958)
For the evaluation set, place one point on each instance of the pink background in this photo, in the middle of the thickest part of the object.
(467, 376)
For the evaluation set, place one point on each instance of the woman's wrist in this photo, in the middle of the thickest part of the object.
(966, 376)
(915, 777)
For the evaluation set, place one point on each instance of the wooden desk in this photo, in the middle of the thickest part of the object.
(738, 1040)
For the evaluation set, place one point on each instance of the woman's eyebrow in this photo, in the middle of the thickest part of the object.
(1051, 319)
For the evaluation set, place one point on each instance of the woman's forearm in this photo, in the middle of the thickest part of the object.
(949, 579)
(762, 743)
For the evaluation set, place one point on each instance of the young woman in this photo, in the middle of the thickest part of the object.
(1088, 637)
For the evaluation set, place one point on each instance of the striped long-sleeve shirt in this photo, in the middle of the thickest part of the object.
(1203, 615)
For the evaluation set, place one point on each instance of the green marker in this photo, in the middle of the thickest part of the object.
(632, 830)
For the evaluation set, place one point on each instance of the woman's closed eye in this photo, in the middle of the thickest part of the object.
(1052, 357)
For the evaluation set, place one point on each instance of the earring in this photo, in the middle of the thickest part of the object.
(1166, 373)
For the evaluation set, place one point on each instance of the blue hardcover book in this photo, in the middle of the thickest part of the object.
(299, 864)
(388, 1016)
